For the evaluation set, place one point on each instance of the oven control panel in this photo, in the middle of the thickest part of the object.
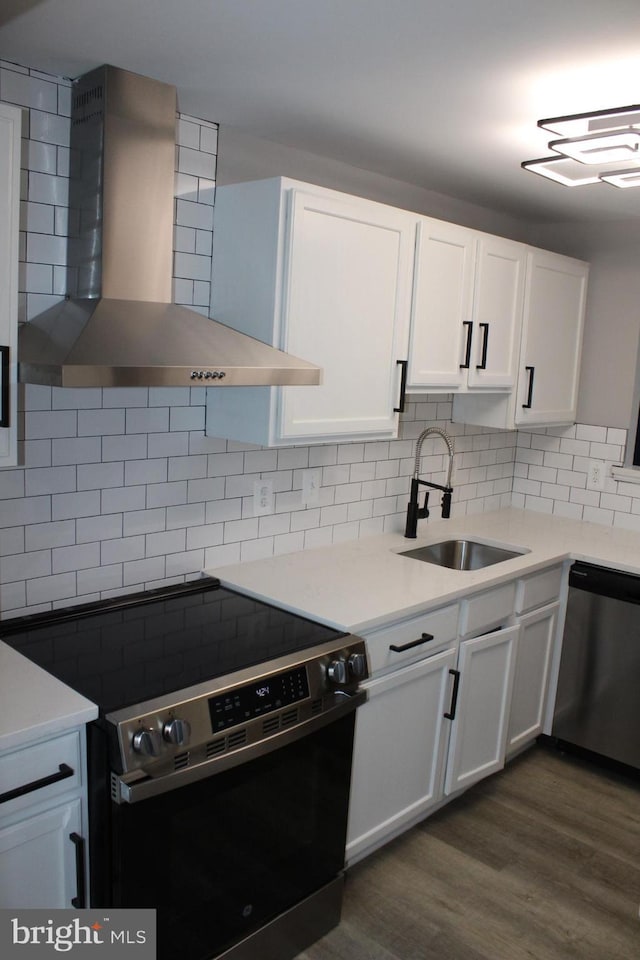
(240, 709)
(259, 698)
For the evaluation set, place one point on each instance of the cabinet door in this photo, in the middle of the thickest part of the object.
(10, 124)
(38, 859)
(531, 678)
(441, 323)
(347, 298)
(481, 715)
(398, 752)
(497, 313)
(554, 307)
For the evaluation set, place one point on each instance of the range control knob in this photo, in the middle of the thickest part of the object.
(177, 731)
(147, 741)
(337, 671)
(357, 665)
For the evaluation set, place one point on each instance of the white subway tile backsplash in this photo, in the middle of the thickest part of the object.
(100, 475)
(129, 447)
(168, 444)
(142, 571)
(68, 505)
(159, 544)
(20, 566)
(144, 521)
(167, 494)
(123, 499)
(29, 91)
(100, 423)
(37, 218)
(80, 557)
(50, 480)
(12, 540)
(145, 471)
(123, 549)
(99, 579)
(187, 562)
(17, 513)
(40, 590)
(48, 188)
(79, 450)
(12, 484)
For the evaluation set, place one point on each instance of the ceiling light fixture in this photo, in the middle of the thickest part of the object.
(608, 139)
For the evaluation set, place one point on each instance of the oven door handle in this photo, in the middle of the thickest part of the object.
(136, 786)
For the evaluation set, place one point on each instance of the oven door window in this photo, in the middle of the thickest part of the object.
(223, 856)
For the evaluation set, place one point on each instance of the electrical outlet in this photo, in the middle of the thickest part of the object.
(262, 497)
(311, 483)
(595, 475)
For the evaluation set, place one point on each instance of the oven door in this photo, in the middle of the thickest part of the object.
(224, 856)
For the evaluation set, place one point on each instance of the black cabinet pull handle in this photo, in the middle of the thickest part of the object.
(531, 371)
(467, 353)
(79, 901)
(63, 772)
(454, 695)
(412, 643)
(403, 385)
(485, 341)
(4, 392)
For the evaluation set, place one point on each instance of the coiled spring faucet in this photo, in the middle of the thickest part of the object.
(416, 512)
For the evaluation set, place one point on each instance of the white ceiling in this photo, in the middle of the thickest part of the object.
(444, 94)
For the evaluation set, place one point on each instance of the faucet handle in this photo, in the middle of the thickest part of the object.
(423, 511)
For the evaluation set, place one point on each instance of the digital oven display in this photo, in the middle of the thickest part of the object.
(256, 699)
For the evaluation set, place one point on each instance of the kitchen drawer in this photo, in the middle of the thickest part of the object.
(33, 765)
(440, 624)
(538, 589)
(486, 610)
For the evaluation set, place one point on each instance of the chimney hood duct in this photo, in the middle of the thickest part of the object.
(118, 326)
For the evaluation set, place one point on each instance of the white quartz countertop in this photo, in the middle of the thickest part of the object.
(362, 584)
(33, 704)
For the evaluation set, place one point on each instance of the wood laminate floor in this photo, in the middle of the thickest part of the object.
(541, 862)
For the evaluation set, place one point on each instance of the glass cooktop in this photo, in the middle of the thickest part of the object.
(121, 652)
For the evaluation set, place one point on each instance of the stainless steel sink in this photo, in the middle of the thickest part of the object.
(462, 554)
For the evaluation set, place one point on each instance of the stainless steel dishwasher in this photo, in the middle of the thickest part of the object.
(598, 697)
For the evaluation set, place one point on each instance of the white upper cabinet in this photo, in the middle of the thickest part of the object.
(555, 299)
(549, 366)
(328, 278)
(467, 310)
(10, 125)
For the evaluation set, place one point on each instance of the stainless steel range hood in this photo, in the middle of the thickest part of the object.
(118, 326)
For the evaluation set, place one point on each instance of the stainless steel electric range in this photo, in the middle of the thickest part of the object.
(219, 767)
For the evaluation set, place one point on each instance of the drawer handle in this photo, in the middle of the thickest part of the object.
(4, 386)
(64, 771)
(454, 695)
(485, 343)
(403, 385)
(413, 643)
(79, 901)
(467, 354)
(531, 371)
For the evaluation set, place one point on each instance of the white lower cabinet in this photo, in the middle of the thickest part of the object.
(454, 693)
(399, 752)
(531, 680)
(43, 823)
(38, 859)
(481, 711)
